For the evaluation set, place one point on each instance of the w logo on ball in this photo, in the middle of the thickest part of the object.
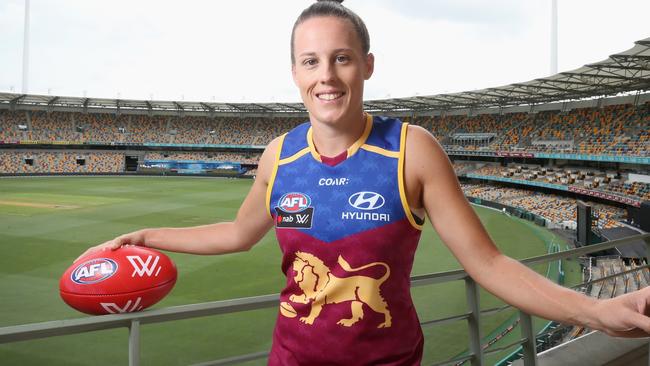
(142, 267)
(129, 307)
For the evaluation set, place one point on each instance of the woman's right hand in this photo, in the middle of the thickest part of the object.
(134, 238)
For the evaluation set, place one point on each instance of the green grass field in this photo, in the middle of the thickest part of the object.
(47, 222)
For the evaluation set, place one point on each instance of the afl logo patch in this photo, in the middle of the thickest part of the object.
(294, 202)
(93, 271)
(366, 200)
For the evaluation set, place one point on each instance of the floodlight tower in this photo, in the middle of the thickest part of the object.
(26, 49)
(554, 37)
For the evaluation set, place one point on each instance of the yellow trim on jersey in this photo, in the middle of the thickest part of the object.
(362, 140)
(269, 187)
(351, 150)
(401, 178)
(312, 148)
(294, 157)
(381, 151)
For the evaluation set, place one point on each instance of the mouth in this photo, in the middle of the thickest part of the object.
(329, 96)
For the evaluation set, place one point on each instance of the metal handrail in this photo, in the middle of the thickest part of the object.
(134, 320)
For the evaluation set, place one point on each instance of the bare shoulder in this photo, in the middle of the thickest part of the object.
(425, 164)
(423, 152)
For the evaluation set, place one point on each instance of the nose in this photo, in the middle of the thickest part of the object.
(328, 73)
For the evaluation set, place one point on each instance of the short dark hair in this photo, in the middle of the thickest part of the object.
(333, 8)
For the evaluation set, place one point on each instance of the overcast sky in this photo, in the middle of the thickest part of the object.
(238, 51)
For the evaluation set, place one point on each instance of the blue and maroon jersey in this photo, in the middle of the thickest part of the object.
(348, 240)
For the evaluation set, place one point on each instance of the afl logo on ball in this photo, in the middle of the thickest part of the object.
(93, 271)
(294, 202)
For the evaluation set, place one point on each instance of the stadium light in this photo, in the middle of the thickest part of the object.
(26, 49)
(553, 37)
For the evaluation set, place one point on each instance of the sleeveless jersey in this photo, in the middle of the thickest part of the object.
(348, 240)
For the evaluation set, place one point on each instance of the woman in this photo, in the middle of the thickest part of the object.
(347, 193)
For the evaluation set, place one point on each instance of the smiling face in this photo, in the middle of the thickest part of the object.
(330, 69)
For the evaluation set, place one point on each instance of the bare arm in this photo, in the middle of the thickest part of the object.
(250, 225)
(433, 183)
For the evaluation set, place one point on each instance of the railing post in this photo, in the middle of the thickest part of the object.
(134, 343)
(529, 346)
(474, 321)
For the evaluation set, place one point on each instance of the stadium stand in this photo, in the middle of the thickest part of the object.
(140, 129)
(618, 129)
(246, 158)
(612, 130)
(616, 182)
(17, 162)
(553, 207)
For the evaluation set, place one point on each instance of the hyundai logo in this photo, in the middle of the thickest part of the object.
(366, 200)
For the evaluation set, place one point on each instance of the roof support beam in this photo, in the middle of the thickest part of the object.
(263, 107)
(207, 107)
(235, 107)
(293, 108)
(616, 77)
(17, 99)
(618, 67)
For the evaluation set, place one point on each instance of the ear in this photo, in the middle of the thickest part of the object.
(370, 66)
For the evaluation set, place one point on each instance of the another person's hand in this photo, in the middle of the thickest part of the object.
(134, 238)
(625, 315)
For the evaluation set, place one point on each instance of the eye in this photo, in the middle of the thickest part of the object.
(342, 58)
(309, 62)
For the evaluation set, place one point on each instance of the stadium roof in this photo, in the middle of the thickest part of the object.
(624, 72)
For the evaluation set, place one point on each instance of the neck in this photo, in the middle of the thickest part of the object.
(331, 140)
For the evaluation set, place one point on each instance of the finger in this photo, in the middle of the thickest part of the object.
(640, 321)
(121, 241)
(115, 244)
(632, 333)
(645, 293)
(635, 325)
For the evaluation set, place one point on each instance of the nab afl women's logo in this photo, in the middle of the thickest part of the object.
(93, 271)
(294, 202)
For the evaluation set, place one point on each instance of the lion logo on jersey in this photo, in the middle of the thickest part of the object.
(321, 287)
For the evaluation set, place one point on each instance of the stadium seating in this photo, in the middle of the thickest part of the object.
(595, 179)
(17, 162)
(140, 129)
(611, 130)
(555, 208)
(245, 158)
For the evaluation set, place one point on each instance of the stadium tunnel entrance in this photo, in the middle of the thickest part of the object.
(131, 161)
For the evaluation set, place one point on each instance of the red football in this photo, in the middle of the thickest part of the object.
(128, 279)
